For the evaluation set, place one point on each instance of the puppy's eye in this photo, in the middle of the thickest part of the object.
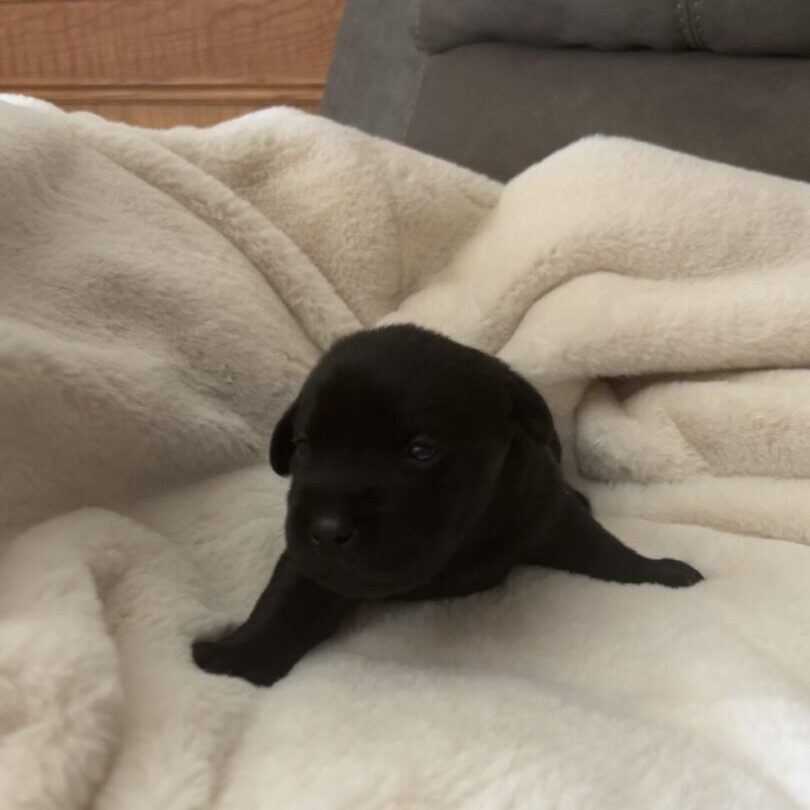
(421, 449)
(302, 446)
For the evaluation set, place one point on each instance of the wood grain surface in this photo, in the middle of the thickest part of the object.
(167, 62)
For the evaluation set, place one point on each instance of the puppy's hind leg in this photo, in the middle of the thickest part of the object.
(576, 542)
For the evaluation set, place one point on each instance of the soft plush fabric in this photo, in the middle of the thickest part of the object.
(162, 295)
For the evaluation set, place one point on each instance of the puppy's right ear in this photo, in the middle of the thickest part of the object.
(532, 413)
(282, 445)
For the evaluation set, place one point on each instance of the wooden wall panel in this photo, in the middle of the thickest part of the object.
(162, 62)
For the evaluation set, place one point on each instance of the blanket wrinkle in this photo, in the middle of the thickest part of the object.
(231, 216)
(162, 297)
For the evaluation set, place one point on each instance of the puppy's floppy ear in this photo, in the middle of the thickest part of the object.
(282, 445)
(532, 413)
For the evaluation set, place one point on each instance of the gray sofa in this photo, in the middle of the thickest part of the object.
(498, 84)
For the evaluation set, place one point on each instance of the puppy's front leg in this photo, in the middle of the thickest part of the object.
(293, 614)
(576, 542)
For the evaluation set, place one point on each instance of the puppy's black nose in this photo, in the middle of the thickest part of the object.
(331, 529)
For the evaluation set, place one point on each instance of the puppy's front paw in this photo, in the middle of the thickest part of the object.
(227, 658)
(217, 657)
(674, 573)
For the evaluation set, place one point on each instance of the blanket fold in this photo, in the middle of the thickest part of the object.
(162, 297)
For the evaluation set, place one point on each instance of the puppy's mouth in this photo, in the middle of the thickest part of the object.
(350, 581)
(366, 588)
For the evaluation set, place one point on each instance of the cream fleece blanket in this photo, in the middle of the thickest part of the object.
(162, 296)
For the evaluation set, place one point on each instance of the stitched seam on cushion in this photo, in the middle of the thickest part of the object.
(687, 26)
(416, 24)
(681, 12)
(699, 33)
(680, 23)
(412, 106)
(420, 77)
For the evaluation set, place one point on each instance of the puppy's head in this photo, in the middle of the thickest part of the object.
(396, 444)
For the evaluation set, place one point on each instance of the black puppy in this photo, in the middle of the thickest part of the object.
(421, 469)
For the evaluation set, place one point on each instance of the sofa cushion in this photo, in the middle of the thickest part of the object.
(498, 108)
(723, 26)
